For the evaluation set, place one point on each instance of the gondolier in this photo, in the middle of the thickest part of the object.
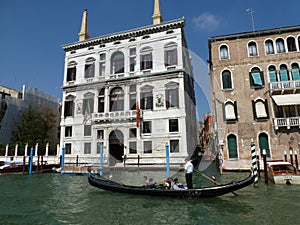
(188, 170)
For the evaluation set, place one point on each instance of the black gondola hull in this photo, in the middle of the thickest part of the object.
(205, 192)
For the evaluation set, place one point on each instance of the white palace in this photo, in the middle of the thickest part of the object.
(132, 93)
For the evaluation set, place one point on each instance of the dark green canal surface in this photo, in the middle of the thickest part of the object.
(60, 199)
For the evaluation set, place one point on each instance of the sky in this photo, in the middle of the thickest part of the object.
(33, 31)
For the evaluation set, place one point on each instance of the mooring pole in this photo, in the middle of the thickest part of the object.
(265, 166)
(63, 157)
(31, 161)
(101, 160)
(291, 156)
(296, 160)
(285, 156)
(258, 163)
(253, 154)
(167, 160)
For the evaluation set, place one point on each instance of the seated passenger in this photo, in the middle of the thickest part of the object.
(151, 183)
(177, 186)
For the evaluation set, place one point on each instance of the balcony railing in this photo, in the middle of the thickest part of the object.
(287, 122)
(113, 116)
(282, 85)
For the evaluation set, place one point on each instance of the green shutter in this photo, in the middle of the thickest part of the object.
(232, 146)
(295, 73)
(272, 76)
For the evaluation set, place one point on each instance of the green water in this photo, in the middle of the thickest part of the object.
(60, 199)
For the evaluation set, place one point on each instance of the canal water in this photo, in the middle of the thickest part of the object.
(60, 199)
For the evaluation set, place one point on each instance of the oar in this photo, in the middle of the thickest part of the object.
(212, 180)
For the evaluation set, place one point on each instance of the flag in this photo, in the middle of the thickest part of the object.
(137, 112)
(87, 114)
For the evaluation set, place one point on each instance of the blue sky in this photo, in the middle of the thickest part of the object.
(33, 31)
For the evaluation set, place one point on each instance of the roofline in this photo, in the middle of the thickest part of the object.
(173, 24)
(258, 33)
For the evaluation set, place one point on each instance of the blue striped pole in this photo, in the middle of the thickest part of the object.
(167, 160)
(101, 160)
(31, 161)
(253, 154)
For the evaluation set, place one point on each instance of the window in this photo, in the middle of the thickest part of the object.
(226, 80)
(147, 127)
(100, 134)
(147, 147)
(68, 131)
(173, 125)
(101, 100)
(260, 109)
(174, 146)
(252, 49)
(132, 147)
(295, 71)
(116, 99)
(224, 52)
(147, 100)
(132, 133)
(87, 148)
(99, 145)
(117, 63)
(171, 54)
(230, 109)
(102, 65)
(283, 73)
(146, 58)
(232, 146)
(280, 45)
(132, 59)
(71, 71)
(264, 144)
(69, 108)
(68, 147)
(89, 68)
(272, 74)
(269, 47)
(88, 106)
(172, 98)
(256, 78)
(132, 97)
(87, 130)
(291, 44)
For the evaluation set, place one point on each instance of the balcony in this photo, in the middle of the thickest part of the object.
(114, 116)
(287, 122)
(282, 87)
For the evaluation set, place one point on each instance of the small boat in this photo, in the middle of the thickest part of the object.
(283, 173)
(203, 192)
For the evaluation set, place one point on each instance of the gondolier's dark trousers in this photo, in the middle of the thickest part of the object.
(189, 180)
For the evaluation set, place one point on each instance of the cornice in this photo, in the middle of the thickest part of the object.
(138, 32)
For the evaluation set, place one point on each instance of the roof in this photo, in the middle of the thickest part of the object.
(254, 34)
(169, 25)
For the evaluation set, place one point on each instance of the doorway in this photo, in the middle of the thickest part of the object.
(116, 147)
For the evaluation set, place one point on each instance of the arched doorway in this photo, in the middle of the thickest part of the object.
(264, 144)
(116, 147)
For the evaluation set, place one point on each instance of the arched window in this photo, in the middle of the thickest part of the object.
(291, 44)
(230, 110)
(269, 47)
(224, 53)
(264, 143)
(252, 49)
(117, 63)
(171, 54)
(117, 99)
(232, 146)
(172, 93)
(256, 78)
(284, 73)
(260, 109)
(226, 79)
(71, 71)
(89, 68)
(295, 71)
(272, 74)
(146, 58)
(280, 45)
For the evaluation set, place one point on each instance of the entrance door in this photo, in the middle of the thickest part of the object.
(116, 147)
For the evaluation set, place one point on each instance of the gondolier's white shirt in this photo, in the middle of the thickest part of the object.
(188, 167)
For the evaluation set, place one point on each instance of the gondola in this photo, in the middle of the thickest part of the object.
(203, 192)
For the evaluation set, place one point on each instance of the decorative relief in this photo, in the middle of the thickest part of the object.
(159, 101)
